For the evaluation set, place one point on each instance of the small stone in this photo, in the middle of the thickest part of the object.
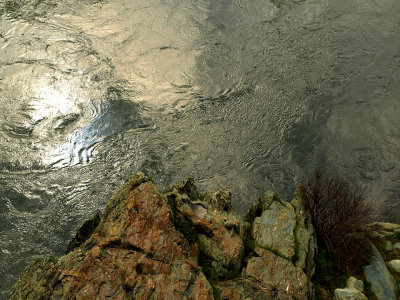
(394, 265)
(348, 294)
(397, 246)
(354, 283)
(388, 246)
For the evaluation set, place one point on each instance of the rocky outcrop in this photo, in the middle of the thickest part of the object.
(135, 250)
(181, 245)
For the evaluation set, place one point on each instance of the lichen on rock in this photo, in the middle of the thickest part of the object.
(180, 245)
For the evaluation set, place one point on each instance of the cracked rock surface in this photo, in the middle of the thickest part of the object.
(180, 245)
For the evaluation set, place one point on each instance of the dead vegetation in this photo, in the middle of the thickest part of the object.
(339, 212)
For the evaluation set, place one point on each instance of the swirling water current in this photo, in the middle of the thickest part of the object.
(252, 95)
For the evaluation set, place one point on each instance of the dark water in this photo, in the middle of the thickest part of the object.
(246, 94)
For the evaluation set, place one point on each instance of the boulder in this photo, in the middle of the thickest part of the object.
(134, 251)
(275, 228)
(284, 228)
(354, 283)
(353, 290)
(284, 246)
(348, 294)
(381, 281)
(394, 265)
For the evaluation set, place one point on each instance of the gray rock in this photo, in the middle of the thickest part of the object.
(354, 283)
(394, 265)
(348, 294)
(274, 229)
(305, 237)
(377, 274)
(397, 246)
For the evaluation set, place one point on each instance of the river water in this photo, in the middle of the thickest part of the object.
(252, 95)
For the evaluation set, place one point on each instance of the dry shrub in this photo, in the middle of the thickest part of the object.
(339, 213)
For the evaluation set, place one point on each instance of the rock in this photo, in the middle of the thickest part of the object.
(377, 274)
(354, 283)
(397, 246)
(279, 273)
(353, 290)
(217, 229)
(286, 229)
(388, 246)
(394, 265)
(135, 252)
(84, 232)
(274, 229)
(390, 227)
(283, 240)
(246, 289)
(181, 245)
(305, 237)
(382, 229)
(348, 294)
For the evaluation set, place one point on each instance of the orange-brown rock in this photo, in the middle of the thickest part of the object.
(176, 245)
(135, 251)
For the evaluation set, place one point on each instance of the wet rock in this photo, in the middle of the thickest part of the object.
(377, 274)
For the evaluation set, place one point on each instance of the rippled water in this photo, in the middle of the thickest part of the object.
(246, 94)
